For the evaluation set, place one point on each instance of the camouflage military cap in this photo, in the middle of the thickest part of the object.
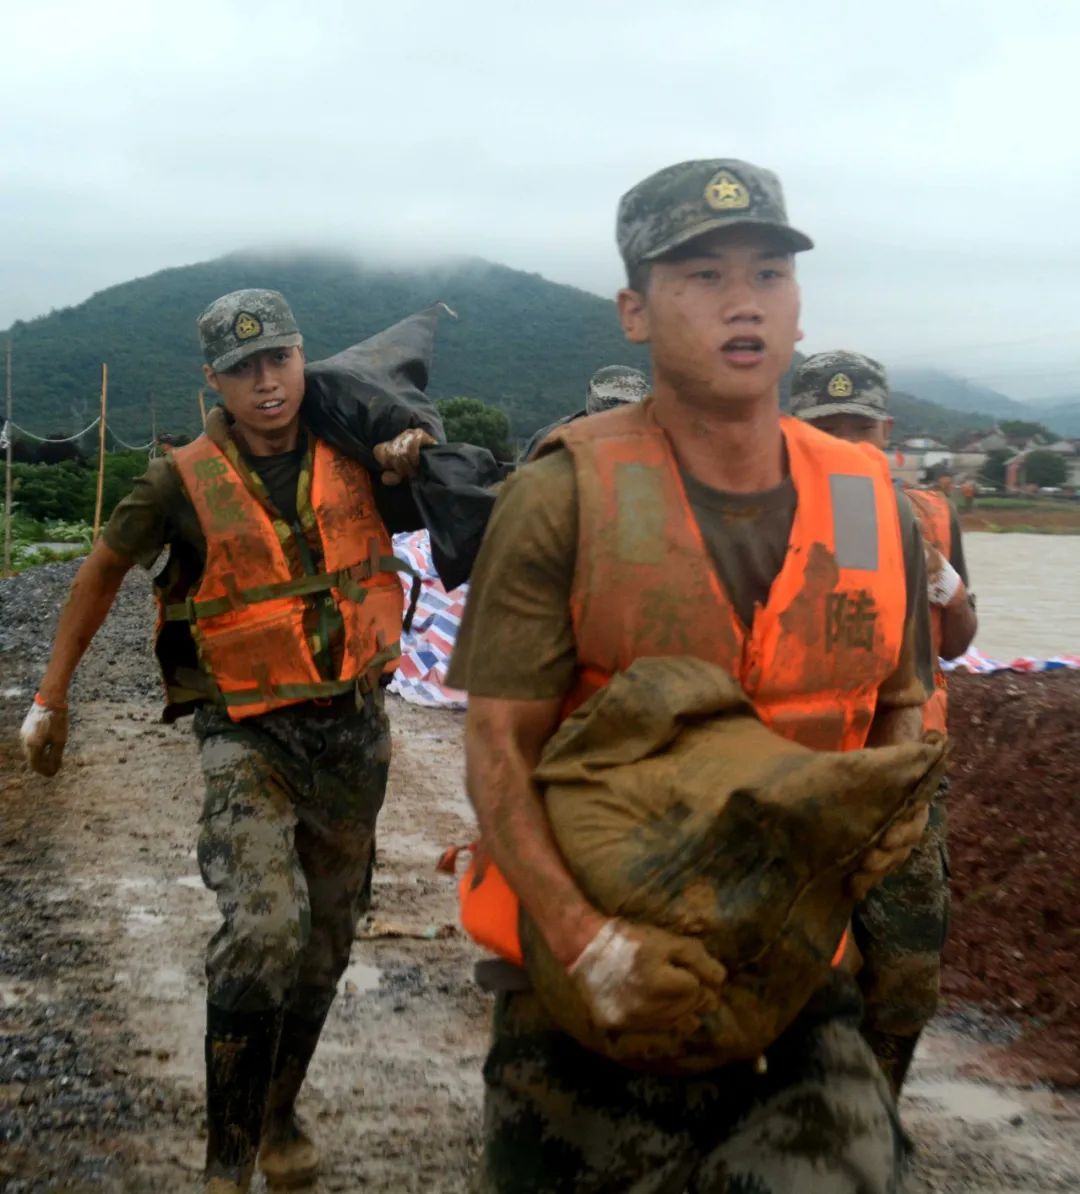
(680, 203)
(840, 383)
(615, 385)
(245, 322)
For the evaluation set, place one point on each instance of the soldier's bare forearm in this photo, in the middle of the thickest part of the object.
(92, 594)
(503, 740)
(893, 726)
(958, 626)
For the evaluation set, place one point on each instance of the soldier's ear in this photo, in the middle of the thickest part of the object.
(633, 315)
(211, 379)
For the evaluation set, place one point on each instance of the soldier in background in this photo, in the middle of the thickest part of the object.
(280, 608)
(901, 926)
(612, 386)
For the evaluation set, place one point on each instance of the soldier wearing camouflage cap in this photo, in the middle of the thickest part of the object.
(279, 611)
(615, 385)
(841, 383)
(901, 925)
(679, 526)
(243, 323)
(608, 388)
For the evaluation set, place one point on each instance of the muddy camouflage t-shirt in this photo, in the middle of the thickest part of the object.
(517, 640)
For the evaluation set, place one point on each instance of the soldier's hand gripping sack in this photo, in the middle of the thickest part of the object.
(674, 806)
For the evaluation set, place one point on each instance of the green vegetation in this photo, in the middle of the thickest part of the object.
(1023, 429)
(1045, 468)
(47, 493)
(470, 421)
(34, 542)
(1030, 502)
(993, 471)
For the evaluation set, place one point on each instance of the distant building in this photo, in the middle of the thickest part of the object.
(1014, 472)
(988, 441)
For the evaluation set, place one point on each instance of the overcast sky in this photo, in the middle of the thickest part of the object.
(929, 148)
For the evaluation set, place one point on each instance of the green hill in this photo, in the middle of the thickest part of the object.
(916, 416)
(521, 342)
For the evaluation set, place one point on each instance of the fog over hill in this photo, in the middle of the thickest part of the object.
(521, 342)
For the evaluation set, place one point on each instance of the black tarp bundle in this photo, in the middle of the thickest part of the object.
(372, 392)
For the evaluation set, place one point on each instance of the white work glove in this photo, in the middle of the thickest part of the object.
(942, 580)
(635, 976)
(399, 458)
(43, 734)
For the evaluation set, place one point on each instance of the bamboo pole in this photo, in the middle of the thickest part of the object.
(7, 470)
(101, 451)
(202, 409)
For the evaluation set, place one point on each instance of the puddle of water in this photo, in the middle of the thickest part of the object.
(15, 993)
(1027, 593)
(143, 916)
(168, 983)
(972, 1102)
(132, 883)
(358, 978)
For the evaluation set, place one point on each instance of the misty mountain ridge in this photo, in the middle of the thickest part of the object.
(945, 389)
(1062, 414)
(522, 342)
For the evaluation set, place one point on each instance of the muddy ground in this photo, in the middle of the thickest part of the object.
(103, 921)
(1056, 518)
(1014, 842)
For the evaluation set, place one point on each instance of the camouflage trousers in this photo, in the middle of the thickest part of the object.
(900, 929)
(286, 845)
(558, 1118)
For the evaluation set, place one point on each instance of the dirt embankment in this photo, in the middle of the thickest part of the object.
(1015, 845)
(103, 922)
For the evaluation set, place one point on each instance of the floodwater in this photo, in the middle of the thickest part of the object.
(1028, 593)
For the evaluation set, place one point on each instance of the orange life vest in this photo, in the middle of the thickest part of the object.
(247, 614)
(934, 514)
(819, 649)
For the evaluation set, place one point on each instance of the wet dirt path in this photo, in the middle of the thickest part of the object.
(101, 1000)
(103, 920)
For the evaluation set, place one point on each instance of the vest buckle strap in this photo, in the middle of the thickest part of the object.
(233, 594)
(262, 678)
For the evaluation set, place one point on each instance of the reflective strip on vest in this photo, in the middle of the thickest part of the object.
(247, 614)
(855, 526)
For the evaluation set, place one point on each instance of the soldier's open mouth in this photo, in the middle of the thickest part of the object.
(271, 404)
(744, 350)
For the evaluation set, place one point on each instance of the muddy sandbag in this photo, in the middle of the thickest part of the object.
(674, 805)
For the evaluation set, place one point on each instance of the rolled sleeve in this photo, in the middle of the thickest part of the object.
(517, 638)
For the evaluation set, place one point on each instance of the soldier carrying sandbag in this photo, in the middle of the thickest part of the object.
(697, 523)
(901, 926)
